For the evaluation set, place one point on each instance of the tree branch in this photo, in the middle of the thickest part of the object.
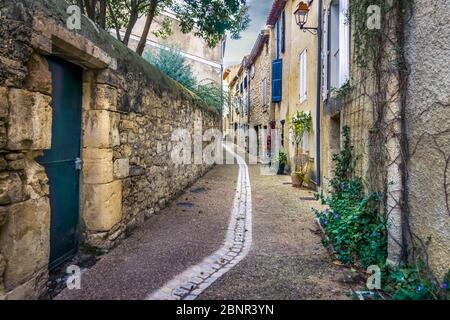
(148, 23)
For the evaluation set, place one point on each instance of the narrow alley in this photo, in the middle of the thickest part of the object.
(215, 150)
(286, 259)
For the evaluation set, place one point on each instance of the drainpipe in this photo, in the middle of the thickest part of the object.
(222, 51)
(319, 95)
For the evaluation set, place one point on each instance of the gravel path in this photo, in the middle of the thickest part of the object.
(282, 256)
(189, 284)
(189, 229)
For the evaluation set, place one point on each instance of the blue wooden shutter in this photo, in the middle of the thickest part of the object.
(277, 80)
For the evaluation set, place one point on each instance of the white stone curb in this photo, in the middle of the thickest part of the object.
(192, 282)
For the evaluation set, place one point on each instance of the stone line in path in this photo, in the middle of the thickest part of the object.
(192, 282)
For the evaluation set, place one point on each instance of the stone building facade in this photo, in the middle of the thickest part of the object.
(280, 96)
(428, 128)
(296, 52)
(414, 179)
(239, 94)
(229, 112)
(416, 188)
(128, 113)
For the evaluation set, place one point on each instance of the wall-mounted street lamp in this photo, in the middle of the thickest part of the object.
(301, 16)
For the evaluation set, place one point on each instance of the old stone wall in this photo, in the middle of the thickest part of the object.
(354, 110)
(259, 112)
(428, 126)
(129, 110)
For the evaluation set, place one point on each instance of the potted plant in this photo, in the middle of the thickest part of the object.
(300, 123)
(281, 160)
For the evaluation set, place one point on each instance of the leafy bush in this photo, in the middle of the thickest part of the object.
(353, 224)
(174, 64)
(408, 284)
(211, 93)
(415, 283)
(281, 158)
(359, 234)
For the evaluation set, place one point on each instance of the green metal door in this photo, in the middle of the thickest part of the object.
(62, 162)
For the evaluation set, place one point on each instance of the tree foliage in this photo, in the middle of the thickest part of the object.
(208, 19)
(174, 64)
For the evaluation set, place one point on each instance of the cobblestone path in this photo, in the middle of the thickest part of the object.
(191, 283)
(248, 235)
(287, 259)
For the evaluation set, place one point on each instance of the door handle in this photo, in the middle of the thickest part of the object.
(78, 164)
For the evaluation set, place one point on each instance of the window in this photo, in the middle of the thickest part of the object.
(277, 40)
(336, 46)
(302, 76)
(344, 43)
(264, 92)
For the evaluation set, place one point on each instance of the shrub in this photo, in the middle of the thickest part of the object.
(174, 64)
(352, 222)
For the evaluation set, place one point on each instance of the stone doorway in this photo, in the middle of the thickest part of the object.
(62, 162)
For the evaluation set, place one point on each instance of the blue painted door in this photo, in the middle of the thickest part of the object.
(62, 162)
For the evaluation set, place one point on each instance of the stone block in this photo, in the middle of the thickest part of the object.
(36, 185)
(25, 241)
(3, 216)
(11, 188)
(121, 168)
(30, 120)
(102, 205)
(101, 129)
(39, 76)
(32, 289)
(97, 165)
(106, 98)
(2, 271)
(98, 240)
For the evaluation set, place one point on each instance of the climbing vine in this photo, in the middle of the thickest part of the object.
(357, 233)
(379, 58)
(381, 76)
(355, 229)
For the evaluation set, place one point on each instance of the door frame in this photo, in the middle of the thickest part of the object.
(75, 49)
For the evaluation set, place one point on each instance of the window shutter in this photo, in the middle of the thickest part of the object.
(277, 78)
(325, 54)
(344, 43)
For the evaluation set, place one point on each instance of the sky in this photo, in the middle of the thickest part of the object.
(236, 49)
